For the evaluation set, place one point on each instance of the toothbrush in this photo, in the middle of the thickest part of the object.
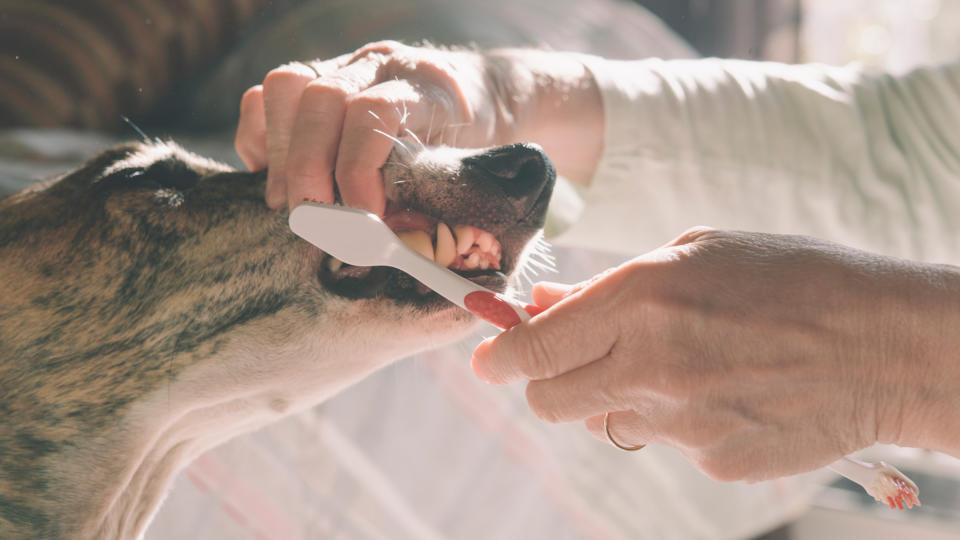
(360, 238)
(883, 482)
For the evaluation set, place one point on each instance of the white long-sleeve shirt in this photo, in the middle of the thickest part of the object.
(865, 159)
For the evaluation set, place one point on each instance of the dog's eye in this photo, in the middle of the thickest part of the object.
(170, 174)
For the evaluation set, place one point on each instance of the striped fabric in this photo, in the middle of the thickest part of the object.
(84, 64)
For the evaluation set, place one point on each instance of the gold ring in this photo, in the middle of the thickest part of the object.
(606, 429)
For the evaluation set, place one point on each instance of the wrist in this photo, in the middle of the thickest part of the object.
(552, 99)
(922, 367)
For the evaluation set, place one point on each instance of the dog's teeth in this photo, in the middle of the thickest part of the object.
(334, 264)
(485, 241)
(465, 237)
(446, 250)
(419, 241)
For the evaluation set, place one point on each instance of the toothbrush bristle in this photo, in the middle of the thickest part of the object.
(895, 491)
(905, 494)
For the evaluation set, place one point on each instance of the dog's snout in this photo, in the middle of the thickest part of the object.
(521, 169)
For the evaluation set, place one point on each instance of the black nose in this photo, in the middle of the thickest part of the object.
(520, 170)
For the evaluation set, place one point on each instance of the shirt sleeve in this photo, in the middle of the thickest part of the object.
(866, 159)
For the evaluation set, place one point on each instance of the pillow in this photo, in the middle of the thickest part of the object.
(84, 64)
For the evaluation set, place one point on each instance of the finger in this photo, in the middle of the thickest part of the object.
(373, 119)
(589, 390)
(282, 89)
(317, 132)
(626, 427)
(548, 293)
(569, 335)
(251, 139)
(691, 235)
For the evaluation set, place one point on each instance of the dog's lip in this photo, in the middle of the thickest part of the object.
(402, 218)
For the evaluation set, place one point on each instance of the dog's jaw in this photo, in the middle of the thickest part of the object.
(251, 382)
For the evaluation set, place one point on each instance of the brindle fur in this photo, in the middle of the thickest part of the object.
(153, 307)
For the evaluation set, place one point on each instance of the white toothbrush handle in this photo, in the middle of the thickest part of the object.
(502, 312)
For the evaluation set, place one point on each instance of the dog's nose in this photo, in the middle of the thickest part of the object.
(521, 169)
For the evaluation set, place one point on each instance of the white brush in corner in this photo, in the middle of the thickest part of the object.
(883, 482)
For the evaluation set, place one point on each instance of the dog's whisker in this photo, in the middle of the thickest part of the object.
(402, 114)
(543, 255)
(394, 139)
(541, 266)
(375, 115)
(414, 135)
(433, 111)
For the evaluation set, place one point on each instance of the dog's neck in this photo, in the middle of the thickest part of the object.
(131, 467)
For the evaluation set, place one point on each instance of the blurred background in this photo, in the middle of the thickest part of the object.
(420, 450)
(894, 35)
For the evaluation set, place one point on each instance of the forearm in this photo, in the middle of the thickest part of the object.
(866, 160)
(552, 99)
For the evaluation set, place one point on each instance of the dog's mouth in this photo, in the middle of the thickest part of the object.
(464, 248)
(473, 212)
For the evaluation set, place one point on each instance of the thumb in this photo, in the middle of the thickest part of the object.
(691, 235)
(548, 293)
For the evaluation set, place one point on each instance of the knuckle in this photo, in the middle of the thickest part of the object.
(354, 170)
(618, 389)
(328, 89)
(387, 46)
(282, 76)
(540, 404)
(695, 233)
(720, 466)
(536, 360)
(307, 174)
(700, 436)
(362, 102)
(676, 382)
(252, 97)
(370, 112)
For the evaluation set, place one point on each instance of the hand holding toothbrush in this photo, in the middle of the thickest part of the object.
(756, 355)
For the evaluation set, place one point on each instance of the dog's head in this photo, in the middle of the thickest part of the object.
(152, 305)
(149, 258)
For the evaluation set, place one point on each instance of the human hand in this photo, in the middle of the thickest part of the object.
(313, 126)
(755, 355)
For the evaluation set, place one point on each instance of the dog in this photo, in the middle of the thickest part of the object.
(153, 307)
